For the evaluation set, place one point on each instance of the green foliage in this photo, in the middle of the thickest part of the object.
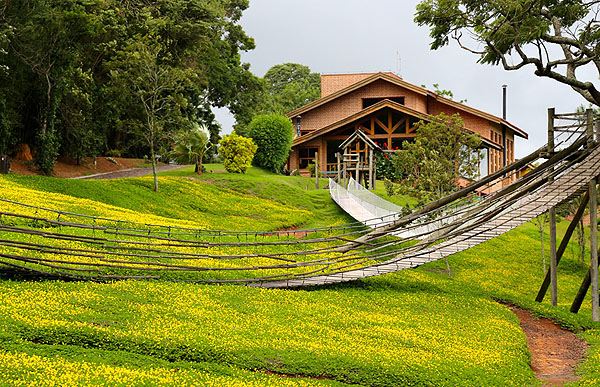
(191, 146)
(237, 152)
(47, 153)
(273, 134)
(511, 33)
(311, 169)
(85, 328)
(159, 87)
(290, 86)
(64, 64)
(444, 92)
(384, 162)
(441, 154)
(285, 87)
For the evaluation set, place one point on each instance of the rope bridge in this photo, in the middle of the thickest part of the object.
(56, 244)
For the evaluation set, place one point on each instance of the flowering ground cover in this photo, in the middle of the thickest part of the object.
(417, 327)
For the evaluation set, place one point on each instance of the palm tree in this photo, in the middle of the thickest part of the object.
(191, 146)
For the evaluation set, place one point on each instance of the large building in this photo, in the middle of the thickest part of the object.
(386, 108)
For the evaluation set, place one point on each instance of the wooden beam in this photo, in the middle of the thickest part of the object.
(383, 126)
(402, 121)
(339, 167)
(594, 249)
(563, 245)
(552, 216)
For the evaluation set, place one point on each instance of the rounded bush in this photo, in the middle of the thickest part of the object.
(273, 134)
(237, 153)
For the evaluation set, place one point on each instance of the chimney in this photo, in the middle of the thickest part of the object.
(504, 101)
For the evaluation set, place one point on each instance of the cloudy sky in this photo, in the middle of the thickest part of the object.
(342, 36)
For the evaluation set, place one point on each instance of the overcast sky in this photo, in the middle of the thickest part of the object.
(343, 36)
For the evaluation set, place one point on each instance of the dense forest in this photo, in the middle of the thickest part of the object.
(94, 77)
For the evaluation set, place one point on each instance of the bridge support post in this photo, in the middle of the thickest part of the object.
(594, 249)
(552, 213)
(593, 191)
(563, 246)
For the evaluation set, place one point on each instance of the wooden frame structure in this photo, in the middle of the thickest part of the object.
(359, 159)
(591, 278)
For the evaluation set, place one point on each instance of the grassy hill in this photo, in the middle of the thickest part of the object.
(416, 327)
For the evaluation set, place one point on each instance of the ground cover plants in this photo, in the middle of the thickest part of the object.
(417, 327)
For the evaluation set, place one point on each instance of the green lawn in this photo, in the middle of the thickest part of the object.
(417, 327)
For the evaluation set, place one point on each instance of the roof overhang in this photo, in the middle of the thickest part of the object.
(386, 103)
(363, 113)
(417, 89)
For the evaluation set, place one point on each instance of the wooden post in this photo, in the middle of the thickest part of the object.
(594, 249)
(585, 285)
(344, 173)
(339, 168)
(563, 245)
(593, 191)
(371, 167)
(375, 176)
(317, 170)
(357, 177)
(552, 213)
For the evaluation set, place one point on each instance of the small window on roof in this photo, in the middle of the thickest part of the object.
(372, 101)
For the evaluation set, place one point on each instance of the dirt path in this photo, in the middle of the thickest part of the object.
(555, 352)
(133, 172)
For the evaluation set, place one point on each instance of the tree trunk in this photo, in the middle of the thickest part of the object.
(581, 241)
(154, 169)
(543, 252)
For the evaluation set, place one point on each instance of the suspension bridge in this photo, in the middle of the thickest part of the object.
(384, 238)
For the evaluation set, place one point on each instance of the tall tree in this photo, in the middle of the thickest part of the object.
(442, 153)
(159, 90)
(59, 88)
(540, 221)
(555, 37)
(285, 87)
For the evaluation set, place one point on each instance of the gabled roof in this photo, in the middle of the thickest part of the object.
(386, 103)
(360, 134)
(417, 89)
(356, 116)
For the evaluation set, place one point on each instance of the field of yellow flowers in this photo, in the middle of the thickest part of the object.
(413, 328)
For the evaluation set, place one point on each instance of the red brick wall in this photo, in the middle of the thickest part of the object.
(476, 124)
(351, 103)
(330, 83)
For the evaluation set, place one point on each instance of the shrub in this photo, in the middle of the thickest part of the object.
(384, 162)
(273, 134)
(237, 152)
(311, 169)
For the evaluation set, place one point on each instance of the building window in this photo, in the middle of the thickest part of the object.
(372, 101)
(306, 156)
(483, 164)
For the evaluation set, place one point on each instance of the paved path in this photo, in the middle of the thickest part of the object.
(132, 172)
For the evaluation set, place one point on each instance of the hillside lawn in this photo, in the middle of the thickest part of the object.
(417, 327)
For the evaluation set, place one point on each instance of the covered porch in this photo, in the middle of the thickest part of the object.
(387, 124)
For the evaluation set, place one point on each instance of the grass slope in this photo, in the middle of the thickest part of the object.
(417, 327)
